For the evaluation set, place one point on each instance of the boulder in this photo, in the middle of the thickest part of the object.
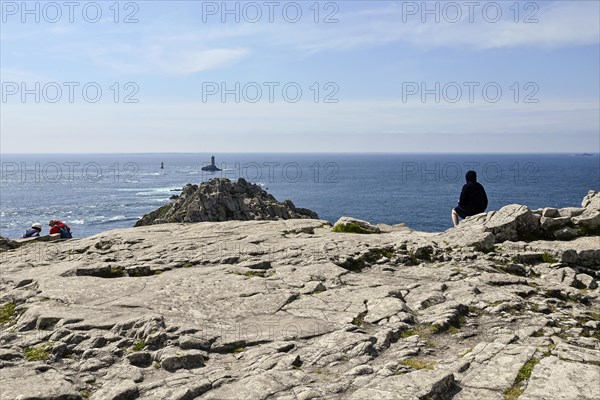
(570, 212)
(567, 233)
(172, 359)
(587, 281)
(513, 222)
(353, 225)
(591, 201)
(140, 359)
(550, 212)
(589, 221)
(549, 223)
(190, 342)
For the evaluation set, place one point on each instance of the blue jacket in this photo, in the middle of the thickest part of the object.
(31, 233)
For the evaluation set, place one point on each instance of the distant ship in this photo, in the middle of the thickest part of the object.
(212, 167)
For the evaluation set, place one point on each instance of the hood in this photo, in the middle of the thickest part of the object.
(471, 176)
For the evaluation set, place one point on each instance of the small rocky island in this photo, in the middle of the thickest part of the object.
(504, 306)
(220, 199)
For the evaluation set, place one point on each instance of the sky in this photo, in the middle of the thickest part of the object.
(304, 76)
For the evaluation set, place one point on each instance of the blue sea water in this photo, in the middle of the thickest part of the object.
(99, 192)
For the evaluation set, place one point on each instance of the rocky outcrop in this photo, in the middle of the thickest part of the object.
(517, 222)
(589, 220)
(222, 200)
(7, 244)
(290, 309)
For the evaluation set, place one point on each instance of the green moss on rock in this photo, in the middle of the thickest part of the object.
(350, 228)
(7, 312)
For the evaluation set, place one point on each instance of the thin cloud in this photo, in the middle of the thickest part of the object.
(564, 23)
(183, 62)
(168, 57)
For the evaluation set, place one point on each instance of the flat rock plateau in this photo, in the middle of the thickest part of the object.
(504, 306)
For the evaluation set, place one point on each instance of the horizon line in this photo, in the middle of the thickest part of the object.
(309, 152)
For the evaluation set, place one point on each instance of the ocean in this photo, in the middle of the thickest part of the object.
(98, 192)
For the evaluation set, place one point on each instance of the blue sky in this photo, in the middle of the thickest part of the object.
(369, 57)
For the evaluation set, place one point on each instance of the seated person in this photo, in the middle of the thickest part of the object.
(473, 199)
(60, 227)
(34, 231)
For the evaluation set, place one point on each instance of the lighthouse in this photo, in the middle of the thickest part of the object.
(212, 167)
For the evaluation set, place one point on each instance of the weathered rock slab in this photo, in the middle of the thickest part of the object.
(28, 383)
(416, 385)
(563, 380)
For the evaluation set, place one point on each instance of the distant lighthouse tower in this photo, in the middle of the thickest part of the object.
(212, 167)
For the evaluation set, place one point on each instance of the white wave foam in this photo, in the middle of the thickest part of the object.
(154, 192)
(117, 218)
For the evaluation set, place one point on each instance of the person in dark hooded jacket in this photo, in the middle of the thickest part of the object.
(473, 199)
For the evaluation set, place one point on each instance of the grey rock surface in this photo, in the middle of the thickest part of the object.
(563, 380)
(289, 309)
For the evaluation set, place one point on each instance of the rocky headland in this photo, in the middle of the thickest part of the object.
(219, 200)
(504, 306)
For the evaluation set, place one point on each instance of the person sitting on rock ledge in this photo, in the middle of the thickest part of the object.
(473, 199)
(60, 227)
(34, 231)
